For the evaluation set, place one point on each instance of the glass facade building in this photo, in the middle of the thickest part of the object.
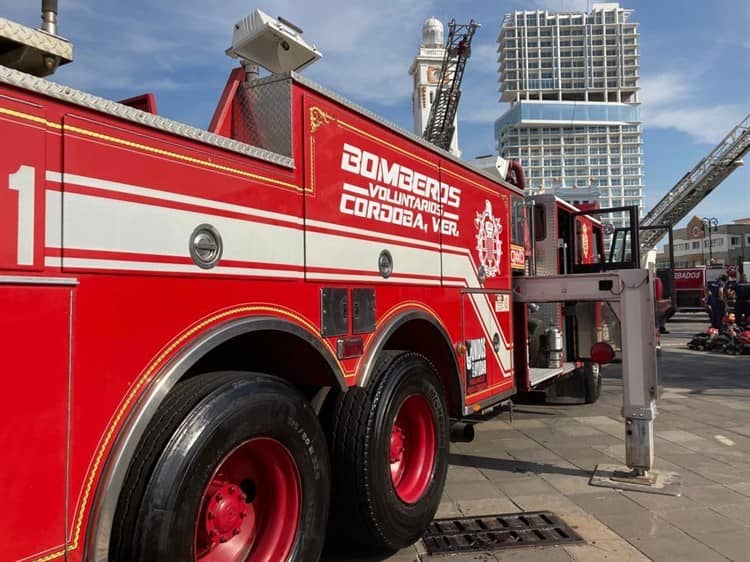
(572, 82)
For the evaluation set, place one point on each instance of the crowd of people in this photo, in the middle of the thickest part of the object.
(729, 306)
(725, 293)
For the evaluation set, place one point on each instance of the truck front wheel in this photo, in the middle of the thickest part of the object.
(389, 446)
(233, 467)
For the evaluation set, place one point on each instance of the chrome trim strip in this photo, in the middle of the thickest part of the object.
(69, 416)
(368, 364)
(480, 291)
(102, 105)
(102, 514)
(33, 280)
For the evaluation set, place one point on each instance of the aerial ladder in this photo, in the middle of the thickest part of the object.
(695, 186)
(439, 130)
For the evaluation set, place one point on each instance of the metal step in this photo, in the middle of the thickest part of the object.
(538, 375)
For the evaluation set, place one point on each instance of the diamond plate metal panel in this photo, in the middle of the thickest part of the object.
(264, 116)
(548, 315)
(41, 40)
(546, 250)
(82, 99)
(546, 264)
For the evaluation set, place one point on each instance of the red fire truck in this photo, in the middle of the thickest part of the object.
(690, 288)
(213, 336)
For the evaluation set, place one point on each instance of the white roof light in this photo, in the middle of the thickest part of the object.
(274, 44)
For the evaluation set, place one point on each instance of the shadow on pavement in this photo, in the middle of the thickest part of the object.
(709, 372)
(512, 465)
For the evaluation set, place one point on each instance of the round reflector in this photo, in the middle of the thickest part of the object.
(602, 353)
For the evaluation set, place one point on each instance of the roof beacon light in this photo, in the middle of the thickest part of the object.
(274, 44)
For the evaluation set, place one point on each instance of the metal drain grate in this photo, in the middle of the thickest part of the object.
(493, 532)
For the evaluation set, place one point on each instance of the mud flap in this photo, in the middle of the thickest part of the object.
(568, 389)
(582, 386)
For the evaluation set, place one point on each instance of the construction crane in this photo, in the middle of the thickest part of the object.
(439, 130)
(695, 186)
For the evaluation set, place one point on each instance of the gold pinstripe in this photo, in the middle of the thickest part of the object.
(474, 183)
(312, 165)
(151, 149)
(141, 381)
(423, 160)
(181, 157)
(386, 143)
(52, 556)
(434, 314)
(491, 387)
(390, 313)
(29, 117)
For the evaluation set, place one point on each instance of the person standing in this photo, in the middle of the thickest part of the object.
(717, 301)
(742, 304)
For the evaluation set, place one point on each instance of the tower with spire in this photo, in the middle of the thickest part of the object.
(425, 71)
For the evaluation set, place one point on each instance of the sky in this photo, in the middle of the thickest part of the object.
(695, 66)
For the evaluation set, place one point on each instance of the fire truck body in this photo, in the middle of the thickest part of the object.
(350, 239)
(213, 334)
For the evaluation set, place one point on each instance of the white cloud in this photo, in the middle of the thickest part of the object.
(668, 103)
(662, 89)
(122, 49)
(708, 124)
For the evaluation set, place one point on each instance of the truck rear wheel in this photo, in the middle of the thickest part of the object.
(389, 448)
(592, 381)
(233, 467)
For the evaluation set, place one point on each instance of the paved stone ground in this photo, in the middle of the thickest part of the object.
(544, 459)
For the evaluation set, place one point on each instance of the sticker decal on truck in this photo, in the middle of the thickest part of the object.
(489, 246)
(396, 194)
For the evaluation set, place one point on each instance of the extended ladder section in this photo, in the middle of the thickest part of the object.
(697, 184)
(440, 128)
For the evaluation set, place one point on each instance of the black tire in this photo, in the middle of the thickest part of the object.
(200, 423)
(367, 511)
(592, 381)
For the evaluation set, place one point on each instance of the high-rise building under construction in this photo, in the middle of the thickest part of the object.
(572, 82)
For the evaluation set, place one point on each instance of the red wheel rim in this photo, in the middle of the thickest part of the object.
(412, 448)
(251, 506)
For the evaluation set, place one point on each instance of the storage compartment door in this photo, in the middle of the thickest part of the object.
(33, 418)
(487, 333)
